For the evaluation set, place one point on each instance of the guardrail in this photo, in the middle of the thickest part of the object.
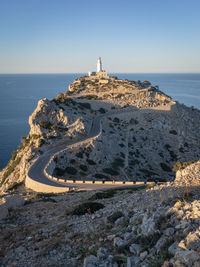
(99, 182)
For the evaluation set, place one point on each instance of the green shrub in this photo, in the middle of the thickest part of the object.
(53, 127)
(45, 124)
(79, 154)
(147, 172)
(41, 142)
(85, 105)
(118, 162)
(59, 171)
(165, 167)
(173, 132)
(104, 194)
(31, 157)
(35, 136)
(13, 186)
(116, 120)
(71, 170)
(116, 215)
(25, 141)
(88, 207)
(102, 110)
(91, 162)
(110, 171)
(134, 162)
(180, 166)
(14, 155)
(101, 176)
(172, 155)
(83, 167)
(10, 169)
(167, 146)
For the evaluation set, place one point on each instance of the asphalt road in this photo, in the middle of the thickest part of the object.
(36, 172)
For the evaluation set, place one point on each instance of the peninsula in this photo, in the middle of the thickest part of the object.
(105, 129)
(108, 175)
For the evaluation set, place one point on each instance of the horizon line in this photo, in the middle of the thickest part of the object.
(22, 73)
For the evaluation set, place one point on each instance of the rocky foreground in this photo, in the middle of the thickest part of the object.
(144, 227)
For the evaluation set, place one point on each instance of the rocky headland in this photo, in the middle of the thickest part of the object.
(141, 135)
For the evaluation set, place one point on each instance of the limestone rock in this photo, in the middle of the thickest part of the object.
(132, 261)
(148, 226)
(135, 249)
(193, 241)
(91, 261)
(187, 257)
(172, 249)
(13, 201)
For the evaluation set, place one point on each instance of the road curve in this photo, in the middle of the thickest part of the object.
(36, 171)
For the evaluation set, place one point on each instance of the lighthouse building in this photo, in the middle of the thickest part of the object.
(100, 73)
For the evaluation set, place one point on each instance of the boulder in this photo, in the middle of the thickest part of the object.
(187, 257)
(132, 261)
(172, 249)
(101, 253)
(118, 242)
(13, 201)
(91, 261)
(148, 226)
(10, 202)
(135, 249)
(193, 241)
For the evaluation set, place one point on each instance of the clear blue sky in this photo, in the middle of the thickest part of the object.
(61, 36)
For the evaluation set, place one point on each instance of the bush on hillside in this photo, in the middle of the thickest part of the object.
(88, 207)
(180, 166)
(165, 167)
(116, 215)
(110, 171)
(71, 170)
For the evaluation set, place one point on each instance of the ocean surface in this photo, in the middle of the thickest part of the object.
(19, 94)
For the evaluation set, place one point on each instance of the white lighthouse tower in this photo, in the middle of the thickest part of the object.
(100, 73)
(99, 65)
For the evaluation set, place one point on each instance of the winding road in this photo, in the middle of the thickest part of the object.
(36, 171)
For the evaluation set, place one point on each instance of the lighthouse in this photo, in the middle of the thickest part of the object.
(99, 65)
(100, 73)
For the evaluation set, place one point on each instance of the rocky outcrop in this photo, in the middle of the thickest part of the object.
(46, 112)
(45, 232)
(189, 176)
(10, 202)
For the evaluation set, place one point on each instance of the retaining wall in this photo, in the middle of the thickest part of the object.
(43, 188)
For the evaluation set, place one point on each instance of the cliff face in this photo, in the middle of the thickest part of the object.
(143, 133)
(46, 112)
(50, 124)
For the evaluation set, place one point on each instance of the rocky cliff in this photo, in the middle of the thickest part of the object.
(143, 133)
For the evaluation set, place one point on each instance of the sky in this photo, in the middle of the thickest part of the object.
(67, 36)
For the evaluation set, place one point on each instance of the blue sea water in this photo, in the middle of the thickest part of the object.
(19, 94)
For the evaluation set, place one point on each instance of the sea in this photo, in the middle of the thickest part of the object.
(19, 94)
